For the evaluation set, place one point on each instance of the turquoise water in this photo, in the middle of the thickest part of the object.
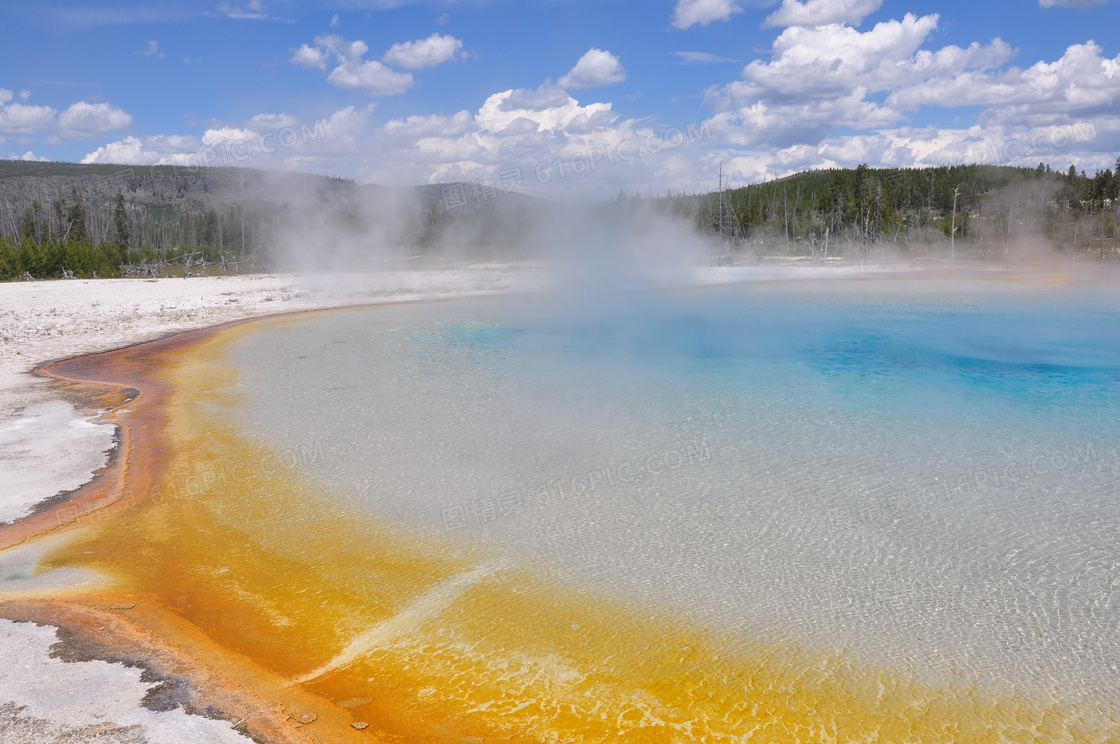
(922, 474)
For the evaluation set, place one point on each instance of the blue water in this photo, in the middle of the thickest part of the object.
(923, 474)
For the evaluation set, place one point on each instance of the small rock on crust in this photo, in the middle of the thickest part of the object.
(306, 718)
(360, 725)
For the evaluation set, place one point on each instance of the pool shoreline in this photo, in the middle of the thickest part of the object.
(99, 623)
(68, 510)
(102, 624)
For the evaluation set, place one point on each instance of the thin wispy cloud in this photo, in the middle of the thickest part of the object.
(1071, 3)
(93, 15)
(151, 51)
(254, 10)
(701, 58)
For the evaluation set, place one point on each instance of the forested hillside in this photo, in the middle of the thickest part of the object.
(982, 210)
(65, 219)
(61, 220)
(97, 219)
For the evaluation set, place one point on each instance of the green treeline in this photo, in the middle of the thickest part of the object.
(69, 219)
(54, 240)
(61, 220)
(862, 207)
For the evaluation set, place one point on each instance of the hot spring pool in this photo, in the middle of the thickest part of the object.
(828, 511)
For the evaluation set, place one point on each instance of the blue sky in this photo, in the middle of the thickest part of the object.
(531, 94)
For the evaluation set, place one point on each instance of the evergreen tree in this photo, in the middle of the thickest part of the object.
(27, 225)
(121, 222)
(10, 267)
(76, 220)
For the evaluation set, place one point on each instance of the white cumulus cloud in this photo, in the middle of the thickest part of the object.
(309, 57)
(595, 68)
(823, 77)
(85, 120)
(27, 156)
(372, 77)
(435, 125)
(688, 13)
(825, 62)
(1081, 83)
(352, 72)
(19, 118)
(259, 143)
(822, 12)
(151, 150)
(429, 52)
